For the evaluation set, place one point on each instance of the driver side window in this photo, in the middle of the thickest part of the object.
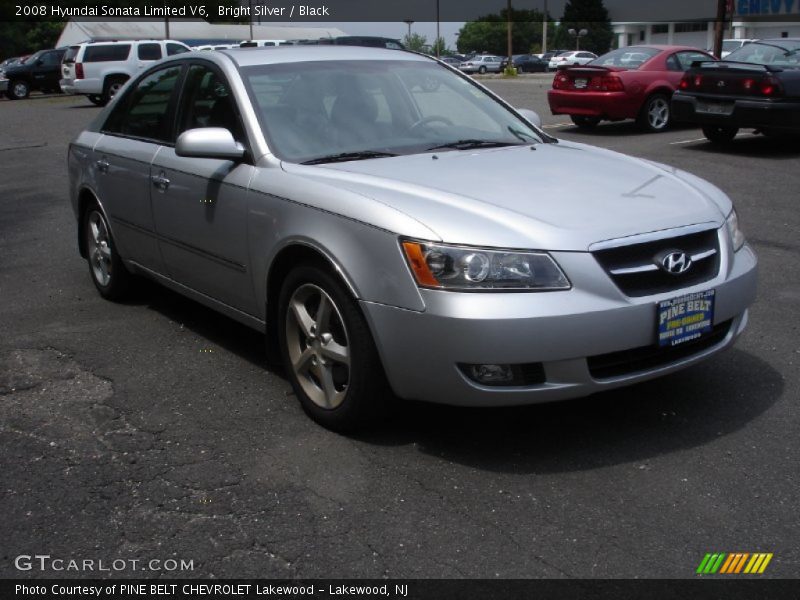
(208, 102)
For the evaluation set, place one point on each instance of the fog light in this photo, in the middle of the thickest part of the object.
(491, 373)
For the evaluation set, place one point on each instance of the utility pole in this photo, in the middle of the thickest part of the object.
(166, 28)
(544, 29)
(719, 26)
(438, 35)
(510, 40)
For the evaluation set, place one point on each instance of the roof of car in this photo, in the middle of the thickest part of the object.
(247, 57)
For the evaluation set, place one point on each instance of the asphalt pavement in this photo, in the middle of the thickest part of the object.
(153, 430)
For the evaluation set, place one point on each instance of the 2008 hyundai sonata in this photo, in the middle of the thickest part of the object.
(393, 226)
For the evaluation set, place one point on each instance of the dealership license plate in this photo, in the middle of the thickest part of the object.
(715, 108)
(684, 319)
(581, 83)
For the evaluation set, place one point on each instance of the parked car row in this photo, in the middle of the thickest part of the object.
(756, 86)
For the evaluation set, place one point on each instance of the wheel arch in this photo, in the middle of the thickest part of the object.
(293, 253)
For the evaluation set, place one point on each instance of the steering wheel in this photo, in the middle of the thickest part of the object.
(429, 119)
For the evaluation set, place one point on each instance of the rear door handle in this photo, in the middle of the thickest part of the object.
(161, 182)
(102, 165)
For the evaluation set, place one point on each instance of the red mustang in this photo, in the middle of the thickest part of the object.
(635, 82)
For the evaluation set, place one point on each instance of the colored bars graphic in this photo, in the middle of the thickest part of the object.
(734, 563)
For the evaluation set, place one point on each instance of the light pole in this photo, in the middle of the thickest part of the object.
(578, 35)
(510, 47)
(408, 22)
(438, 35)
(250, 17)
(544, 29)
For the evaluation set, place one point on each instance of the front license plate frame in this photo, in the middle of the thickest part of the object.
(685, 318)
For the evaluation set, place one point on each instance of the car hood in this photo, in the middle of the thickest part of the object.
(563, 196)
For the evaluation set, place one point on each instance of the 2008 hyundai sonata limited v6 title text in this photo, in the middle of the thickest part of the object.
(395, 227)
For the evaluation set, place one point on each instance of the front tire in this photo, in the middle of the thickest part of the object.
(482, 70)
(106, 268)
(328, 351)
(18, 90)
(96, 100)
(719, 134)
(656, 115)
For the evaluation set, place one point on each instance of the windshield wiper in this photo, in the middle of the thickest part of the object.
(345, 156)
(471, 144)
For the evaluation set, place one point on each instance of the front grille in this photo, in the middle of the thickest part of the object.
(635, 271)
(625, 362)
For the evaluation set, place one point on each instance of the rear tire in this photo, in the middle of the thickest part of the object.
(111, 87)
(328, 351)
(18, 89)
(108, 272)
(719, 134)
(656, 115)
(585, 122)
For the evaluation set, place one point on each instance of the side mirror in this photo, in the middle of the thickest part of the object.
(209, 142)
(531, 116)
(39, 62)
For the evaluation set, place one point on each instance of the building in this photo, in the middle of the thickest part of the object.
(192, 33)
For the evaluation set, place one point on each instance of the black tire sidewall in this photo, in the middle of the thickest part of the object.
(367, 391)
(720, 134)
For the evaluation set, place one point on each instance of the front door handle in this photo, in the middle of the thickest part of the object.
(161, 182)
(102, 165)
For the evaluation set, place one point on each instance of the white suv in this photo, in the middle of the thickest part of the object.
(99, 69)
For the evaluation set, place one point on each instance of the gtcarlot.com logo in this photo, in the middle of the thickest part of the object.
(734, 563)
(45, 562)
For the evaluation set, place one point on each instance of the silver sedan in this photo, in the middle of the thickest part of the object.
(364, 208)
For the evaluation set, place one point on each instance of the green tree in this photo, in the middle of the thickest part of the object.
(416, 42)
(441, 45)
(489, 33)
(19, 38)
(590, 15)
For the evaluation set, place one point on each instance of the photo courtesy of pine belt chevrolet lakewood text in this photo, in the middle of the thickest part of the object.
(397, 230)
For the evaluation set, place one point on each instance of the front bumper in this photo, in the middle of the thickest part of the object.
(421, 351)
(3, 86)
(773, 114)
(603, 105)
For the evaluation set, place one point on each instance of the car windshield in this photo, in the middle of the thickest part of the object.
(778, 53)
(313, 110)
(730, 46)
(626, 58)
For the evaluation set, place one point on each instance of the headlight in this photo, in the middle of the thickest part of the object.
(737, 237)
(463, 268)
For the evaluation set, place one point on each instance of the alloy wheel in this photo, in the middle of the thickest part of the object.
(20, 89)
(99, 249)
(658, 113)
(318, 346)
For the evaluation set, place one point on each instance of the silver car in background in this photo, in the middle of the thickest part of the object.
(365, 208)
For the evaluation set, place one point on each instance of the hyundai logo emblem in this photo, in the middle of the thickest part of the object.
(674, 262)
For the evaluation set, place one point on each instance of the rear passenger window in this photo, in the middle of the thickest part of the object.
(149, 51)
(144, 110)
(173, 49)
(106, 53)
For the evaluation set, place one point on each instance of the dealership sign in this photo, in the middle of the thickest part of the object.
(763, 8)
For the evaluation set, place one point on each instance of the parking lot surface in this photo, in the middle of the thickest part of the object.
(152, 429)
